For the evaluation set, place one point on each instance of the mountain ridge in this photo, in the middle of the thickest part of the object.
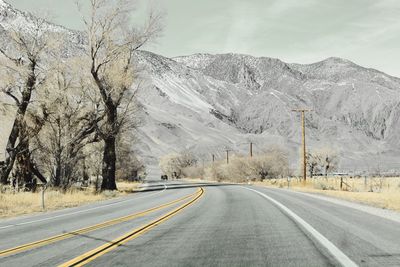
(208, 103)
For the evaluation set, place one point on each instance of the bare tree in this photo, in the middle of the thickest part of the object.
(271, 164)
(71, 122)
(174, 163)
(313, 163)
(330, 160)
(93, 161)
(323, 159)
(187, 158)
(25, 164)
(22, 58)
(129, 167)
(111, 47)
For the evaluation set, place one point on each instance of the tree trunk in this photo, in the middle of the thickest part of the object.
(11, 149)
(59, 151)
(109, 160)
(23, 173)
(57, 175)
(109, 136)
(15, 131)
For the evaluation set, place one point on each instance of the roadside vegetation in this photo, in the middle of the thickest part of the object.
(382, 192)
(178, 165)
(19, 203)
(271, 169)
(270, 164)
(75, 114)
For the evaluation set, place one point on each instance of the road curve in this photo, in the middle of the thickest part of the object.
(230, 225)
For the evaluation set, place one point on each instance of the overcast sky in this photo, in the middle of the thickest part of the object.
(303, 31)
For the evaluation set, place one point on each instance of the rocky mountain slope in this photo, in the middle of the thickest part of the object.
(209, 103)
(213, 102)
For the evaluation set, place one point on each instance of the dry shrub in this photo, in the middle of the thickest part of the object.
(273, 163)
(128, 187)
(193, 172)
(173, 164)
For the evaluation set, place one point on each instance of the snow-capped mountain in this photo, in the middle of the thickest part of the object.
(209, 103)
(212, 102)
(12, 19)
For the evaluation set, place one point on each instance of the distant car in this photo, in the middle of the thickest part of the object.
(164, 177)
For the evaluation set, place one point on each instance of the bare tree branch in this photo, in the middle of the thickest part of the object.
(9, 93)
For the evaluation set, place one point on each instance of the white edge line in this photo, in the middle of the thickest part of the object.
(380, 212)
(80, 211)
(333, 250)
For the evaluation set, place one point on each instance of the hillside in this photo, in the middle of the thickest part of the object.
(209, 103)
(215, 101)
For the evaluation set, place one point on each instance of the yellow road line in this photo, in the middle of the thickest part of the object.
(60, 237)
(103, 249)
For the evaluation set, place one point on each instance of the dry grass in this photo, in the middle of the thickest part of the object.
(13, 204)
(127, 187)
(376, 191)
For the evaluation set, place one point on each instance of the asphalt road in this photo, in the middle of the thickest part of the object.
(223, 225)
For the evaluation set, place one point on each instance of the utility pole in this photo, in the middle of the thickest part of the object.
(227, 156)
(251, 149)
(303, 140)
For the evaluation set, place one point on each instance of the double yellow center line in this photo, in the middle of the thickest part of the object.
(101, 250)
(64, 236)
